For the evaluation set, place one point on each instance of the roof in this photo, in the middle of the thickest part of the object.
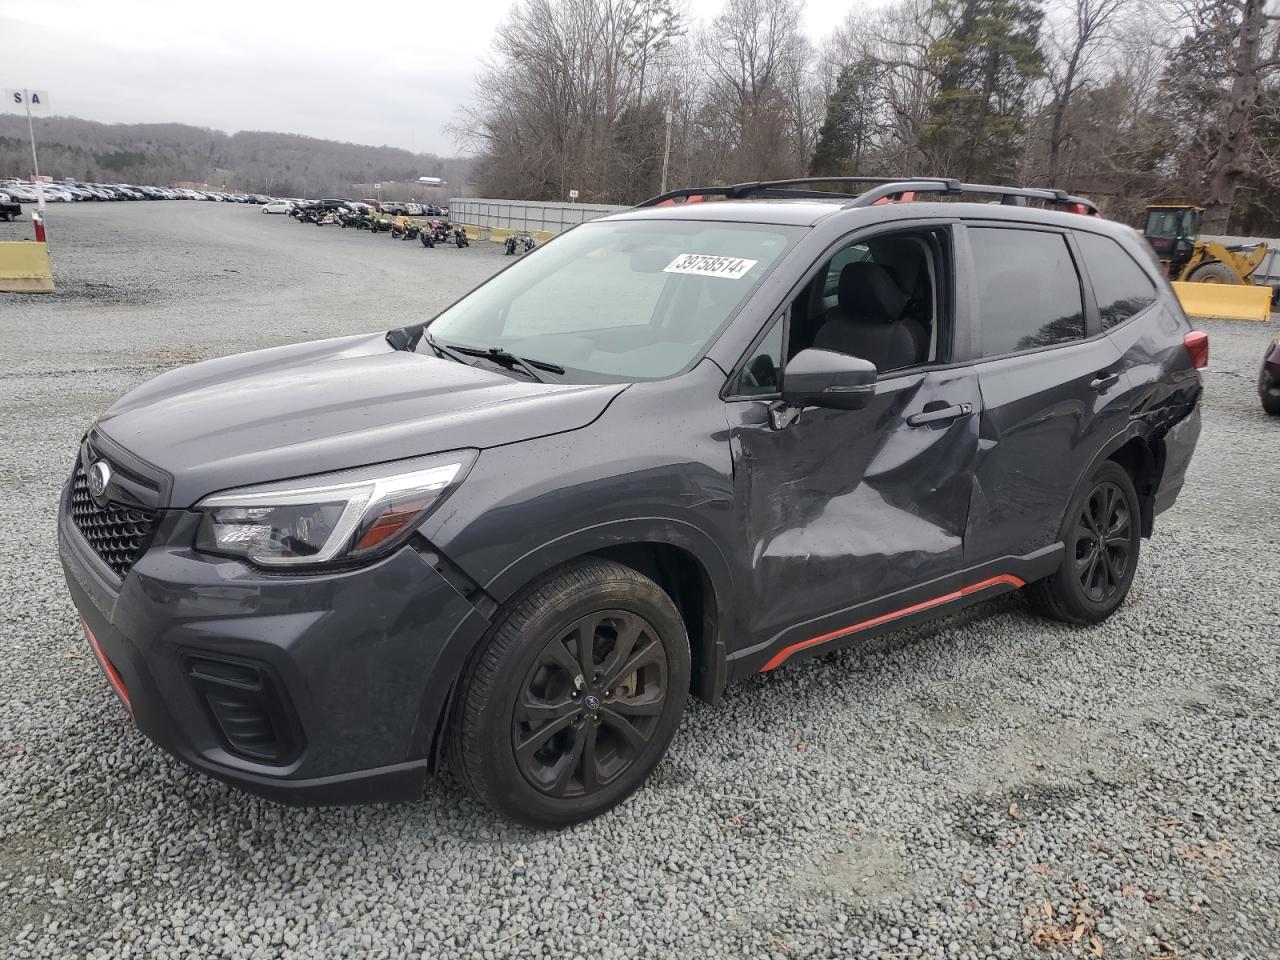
(802, 213)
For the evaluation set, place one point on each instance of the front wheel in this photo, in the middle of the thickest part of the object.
(575, 696)
(1102, 533)
(1214, 271)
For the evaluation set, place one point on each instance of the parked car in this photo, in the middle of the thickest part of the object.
(1269, 379)
(9, 209)
(277, 206)
(672, 448)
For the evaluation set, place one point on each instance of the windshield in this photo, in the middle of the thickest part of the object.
(618, 300)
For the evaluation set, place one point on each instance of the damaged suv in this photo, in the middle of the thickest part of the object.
(672, 448)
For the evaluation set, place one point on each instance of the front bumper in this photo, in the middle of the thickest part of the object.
(363, 660)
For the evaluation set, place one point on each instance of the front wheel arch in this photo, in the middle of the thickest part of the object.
(640, 542)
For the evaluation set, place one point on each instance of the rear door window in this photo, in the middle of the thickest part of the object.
(1121, 287)
(1028, 290)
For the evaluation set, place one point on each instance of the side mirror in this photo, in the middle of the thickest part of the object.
(825, 378)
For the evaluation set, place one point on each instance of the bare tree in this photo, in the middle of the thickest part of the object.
(1248, 66)
(1076, 40)
(748, 51)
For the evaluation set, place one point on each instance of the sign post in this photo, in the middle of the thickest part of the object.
(39, 100)
(573, 196)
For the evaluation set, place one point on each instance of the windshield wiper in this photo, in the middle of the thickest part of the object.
(447, 352)
(509, 359)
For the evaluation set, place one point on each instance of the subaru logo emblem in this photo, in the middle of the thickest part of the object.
(592, 702)
(99, 478)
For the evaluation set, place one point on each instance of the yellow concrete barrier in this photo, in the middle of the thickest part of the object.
(1227, 301)
(24, 267)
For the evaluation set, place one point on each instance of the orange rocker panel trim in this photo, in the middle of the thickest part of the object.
(960, 594)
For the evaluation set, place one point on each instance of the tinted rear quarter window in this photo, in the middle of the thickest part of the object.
(1121, 287)
(1028, 290)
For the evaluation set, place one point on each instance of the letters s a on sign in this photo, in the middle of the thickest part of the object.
(36, 100)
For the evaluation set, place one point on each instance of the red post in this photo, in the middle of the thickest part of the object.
(39, 224)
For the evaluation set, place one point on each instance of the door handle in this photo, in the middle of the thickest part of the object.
(1104, 379)
(953, 412)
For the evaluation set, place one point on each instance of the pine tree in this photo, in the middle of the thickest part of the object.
(985, 64)
(847, 132)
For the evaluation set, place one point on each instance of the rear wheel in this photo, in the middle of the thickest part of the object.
(574, 698)
(1271, 405)
(1214, 272)
(1102, 536)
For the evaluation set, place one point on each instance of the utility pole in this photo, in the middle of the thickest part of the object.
(666, 150)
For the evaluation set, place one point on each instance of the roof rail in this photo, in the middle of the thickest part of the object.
(775, 188)
(880, 189)
(1012, 196)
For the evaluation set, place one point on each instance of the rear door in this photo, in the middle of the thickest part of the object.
(1051, 382)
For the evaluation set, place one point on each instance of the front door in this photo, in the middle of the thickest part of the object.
(842, 508)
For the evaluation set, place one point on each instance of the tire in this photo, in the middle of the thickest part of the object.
(1271, 405)
(1082, 590)
(608, 731)
(1213, 272)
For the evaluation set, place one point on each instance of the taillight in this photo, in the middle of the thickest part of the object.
(1197, 344)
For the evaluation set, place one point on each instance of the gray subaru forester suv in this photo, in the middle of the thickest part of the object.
(673, 447)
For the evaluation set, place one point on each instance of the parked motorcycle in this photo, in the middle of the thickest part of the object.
(519, 243)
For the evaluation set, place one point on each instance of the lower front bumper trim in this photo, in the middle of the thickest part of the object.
(396, 783)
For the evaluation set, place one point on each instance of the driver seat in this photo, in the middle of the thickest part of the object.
(868, 320)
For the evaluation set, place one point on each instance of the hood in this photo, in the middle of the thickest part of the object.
(330, 405)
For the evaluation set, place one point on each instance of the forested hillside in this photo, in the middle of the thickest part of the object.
(281, 164)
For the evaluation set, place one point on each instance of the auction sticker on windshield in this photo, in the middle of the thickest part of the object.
(704, 265)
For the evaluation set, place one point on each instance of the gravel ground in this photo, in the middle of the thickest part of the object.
(992, 785)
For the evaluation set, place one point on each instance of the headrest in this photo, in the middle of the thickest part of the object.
(868, 293)
(903, 258)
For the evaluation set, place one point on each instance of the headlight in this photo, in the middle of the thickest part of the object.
(334, 517)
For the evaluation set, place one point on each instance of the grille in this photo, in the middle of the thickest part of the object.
(118, 534)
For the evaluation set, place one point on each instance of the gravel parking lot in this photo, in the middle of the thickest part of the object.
(993, 785)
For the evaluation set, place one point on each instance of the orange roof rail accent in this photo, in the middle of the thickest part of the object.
(1080, 208)
(696, 198)
(908, 196)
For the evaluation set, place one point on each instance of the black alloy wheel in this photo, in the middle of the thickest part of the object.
(590, 703)
(573, 697)
(1101, 536)
(1102, 539)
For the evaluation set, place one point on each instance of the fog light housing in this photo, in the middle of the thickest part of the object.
(248, 707)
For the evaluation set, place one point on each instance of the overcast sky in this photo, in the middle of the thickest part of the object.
(296, 67)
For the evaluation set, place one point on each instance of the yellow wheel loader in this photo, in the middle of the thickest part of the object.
(1173, 231)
